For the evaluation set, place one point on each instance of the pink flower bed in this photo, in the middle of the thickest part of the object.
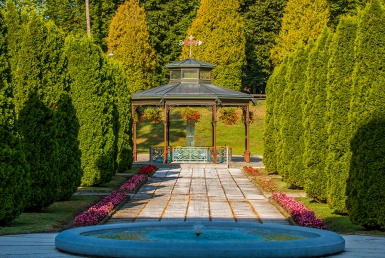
(147, 170)
(100, 210)
(300, 214)
(131, 183)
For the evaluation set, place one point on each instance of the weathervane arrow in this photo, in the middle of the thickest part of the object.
(190, 42)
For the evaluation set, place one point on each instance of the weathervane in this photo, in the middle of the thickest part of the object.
(190, 42)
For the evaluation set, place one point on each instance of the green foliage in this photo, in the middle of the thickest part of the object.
(128, 39)
(262, 20)
(291, 118)
(92, 89)
(339, 84)
(168, 22)
(365, 188)
(14, 176)
(220, 27)
(341, 8)
(274, 90)
(123, 102)
(314, 111)
(302, 20)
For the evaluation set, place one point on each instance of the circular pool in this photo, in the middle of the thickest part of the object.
(215, 239)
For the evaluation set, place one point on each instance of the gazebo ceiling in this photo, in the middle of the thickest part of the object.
(190, 91)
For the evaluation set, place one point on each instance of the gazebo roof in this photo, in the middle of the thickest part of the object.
(191, 91)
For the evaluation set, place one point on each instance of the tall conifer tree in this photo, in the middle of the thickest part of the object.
(302, 20)
(291, 118)
(365, 187)
(314, 111)
(220, 27)
(92, 89)
(275, 88)
(128, 39)
(14, 175)
(339, 84)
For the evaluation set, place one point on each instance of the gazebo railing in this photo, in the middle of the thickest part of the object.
(191, 154)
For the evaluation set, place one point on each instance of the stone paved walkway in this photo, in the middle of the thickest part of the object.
(196, 193)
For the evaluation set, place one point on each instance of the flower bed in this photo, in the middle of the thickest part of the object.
(251, 171)
(134, 183)
(300, 214)
(99, 211)
(149, 170)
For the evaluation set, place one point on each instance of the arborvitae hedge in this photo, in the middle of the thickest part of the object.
(291, 119)
(314, 111)
(339, 84)
(36, 120)
(274, 90)
(91, 84)
(365, 185)
(14, 176)
(123, 102)
(278, 110)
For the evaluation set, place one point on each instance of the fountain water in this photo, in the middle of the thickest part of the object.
(217, 239)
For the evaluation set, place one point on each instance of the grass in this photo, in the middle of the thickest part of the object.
(60, 215)
(151, 134)
(334, 221)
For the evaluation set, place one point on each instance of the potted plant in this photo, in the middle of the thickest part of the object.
(152, 115)
(190, 115)
(228, 116)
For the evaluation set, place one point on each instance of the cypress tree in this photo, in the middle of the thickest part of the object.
(128, 38)
(220, 27)
(365, 188)
(92, 93)
(14, 176)
(339, 84)
(291, 118)
(274, 90)
(314, 111)
(58, 99)
(302, 20)
(36, 120)
(123, 102)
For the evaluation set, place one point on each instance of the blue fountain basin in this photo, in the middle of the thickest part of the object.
(217, 239)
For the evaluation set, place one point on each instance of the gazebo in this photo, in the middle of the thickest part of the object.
(190, 85)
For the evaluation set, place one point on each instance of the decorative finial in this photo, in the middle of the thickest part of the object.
(190, 42)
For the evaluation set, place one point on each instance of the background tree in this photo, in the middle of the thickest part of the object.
(314, 111)
(128, 38)
(302, 20)
(291, 118)
(168, 22)
(339, 84)
(262, 20)
(92, 91)
(14, 175)
(365, 188)
(341, 8)
(223, 41)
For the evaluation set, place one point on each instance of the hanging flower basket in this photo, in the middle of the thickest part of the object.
(251, 117)
(229, 116)
(152, 115)
(190, 115)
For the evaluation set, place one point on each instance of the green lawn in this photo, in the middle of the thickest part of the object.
(151, 134)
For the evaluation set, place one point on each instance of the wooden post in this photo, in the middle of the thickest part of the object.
(165, 140)
(214, 132)
(134, 151)
(247, 124)
(88, 19)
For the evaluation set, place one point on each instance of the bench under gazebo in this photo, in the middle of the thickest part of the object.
(190, 86)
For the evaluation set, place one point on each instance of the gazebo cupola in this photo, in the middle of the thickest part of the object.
(190, 71)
